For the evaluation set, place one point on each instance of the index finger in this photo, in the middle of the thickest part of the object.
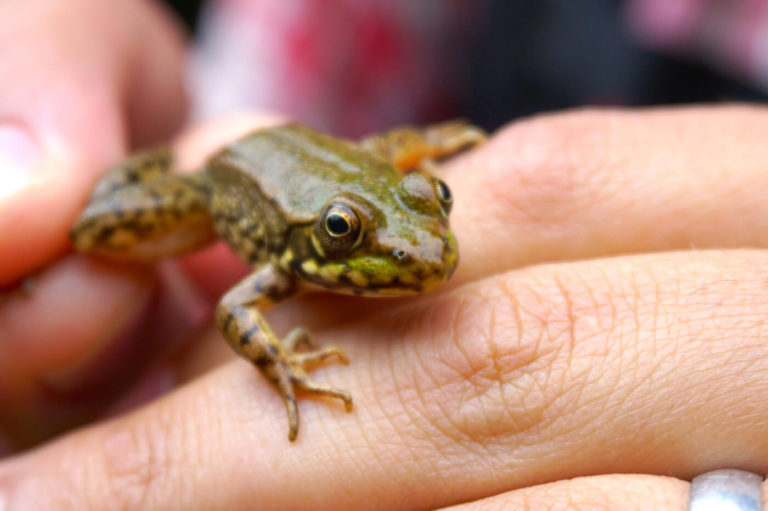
(71, 74)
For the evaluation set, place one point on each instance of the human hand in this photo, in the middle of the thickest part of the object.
(518, 376)
(515, 375)
(83, 82)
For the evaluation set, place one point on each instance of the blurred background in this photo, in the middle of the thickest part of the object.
(355, 66)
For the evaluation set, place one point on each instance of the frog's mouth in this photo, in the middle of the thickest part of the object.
(369, 276)
(346, 285)
(379, 275)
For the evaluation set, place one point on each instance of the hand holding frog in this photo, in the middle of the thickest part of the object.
(307, 211)
(515, 374)
(81, 84)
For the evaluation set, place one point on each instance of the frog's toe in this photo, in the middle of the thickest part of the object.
(454, 135)
(310, 358)
(296, 338)
(290, 373)
(285, 386)
(314, 358)
(301, 362)
(312, 387)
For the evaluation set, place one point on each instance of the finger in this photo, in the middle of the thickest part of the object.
(80, 80)
(609, 493)
(73, 343)
(651, 364)
(591, 183)
(598, 182)
(69, 108)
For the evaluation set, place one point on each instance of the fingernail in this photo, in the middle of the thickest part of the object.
(19, 158)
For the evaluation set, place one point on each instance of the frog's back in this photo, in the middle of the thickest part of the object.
(300, 170)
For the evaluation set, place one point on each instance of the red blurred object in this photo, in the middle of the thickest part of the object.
(347, 66)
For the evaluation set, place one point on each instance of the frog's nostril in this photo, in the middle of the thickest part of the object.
(399, 254)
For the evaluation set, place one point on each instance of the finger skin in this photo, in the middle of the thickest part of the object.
(589, 183)
(606, 493)
(83, 80)
(652, 364)
(80, 336)
(75, 86)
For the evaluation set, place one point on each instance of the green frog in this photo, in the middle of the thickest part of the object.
(307, 212)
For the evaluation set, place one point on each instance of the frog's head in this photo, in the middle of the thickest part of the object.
(387, 240)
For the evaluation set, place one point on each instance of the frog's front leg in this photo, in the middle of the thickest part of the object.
(137, 168)
(141, 212)
(408, 148)
(249, 334)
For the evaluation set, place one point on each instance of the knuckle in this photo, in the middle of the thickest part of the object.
(519, 355)
(492, 365)
(561, 163)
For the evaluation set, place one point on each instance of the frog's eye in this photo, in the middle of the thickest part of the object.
(444, 195)
(339, 227)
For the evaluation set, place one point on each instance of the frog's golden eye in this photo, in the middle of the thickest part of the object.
(339, 227)
(444, 195)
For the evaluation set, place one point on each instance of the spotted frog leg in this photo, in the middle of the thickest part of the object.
(139, 211)
(249, 334)
(410, 148)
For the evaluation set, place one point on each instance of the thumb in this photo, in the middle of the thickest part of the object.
(81, 79)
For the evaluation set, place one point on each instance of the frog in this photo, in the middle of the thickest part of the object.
(306, 211)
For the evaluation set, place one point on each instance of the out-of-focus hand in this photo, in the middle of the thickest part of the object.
(83, 81)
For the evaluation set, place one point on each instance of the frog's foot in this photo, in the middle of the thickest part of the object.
(289, 372)
(451, 137)
(409, 148)
(299, 337)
